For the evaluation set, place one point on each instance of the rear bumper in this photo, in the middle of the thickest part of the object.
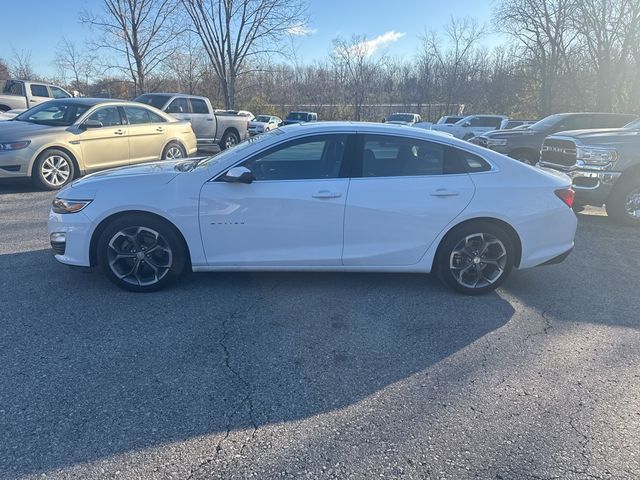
(559, 259)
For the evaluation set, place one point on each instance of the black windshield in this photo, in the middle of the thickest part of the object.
(157, 101)
(55, 114)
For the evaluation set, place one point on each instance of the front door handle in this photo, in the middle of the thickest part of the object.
(159, 129)
(187, 118)
(443, 192)
(326, 194)
(119, 132)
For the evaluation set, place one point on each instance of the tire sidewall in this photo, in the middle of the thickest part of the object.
(228, 134)
(39, 179)
(176, 243)
(453, 238)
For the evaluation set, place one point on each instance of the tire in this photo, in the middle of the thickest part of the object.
(229, 139)
(623, 204)
(463, 267)
(173, 151)
(141, 253)
(53, 169)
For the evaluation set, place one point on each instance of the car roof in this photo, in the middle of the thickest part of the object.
(364, 127)
(94, 101)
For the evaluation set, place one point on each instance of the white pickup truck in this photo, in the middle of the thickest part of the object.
(21, 94)
(212, 129)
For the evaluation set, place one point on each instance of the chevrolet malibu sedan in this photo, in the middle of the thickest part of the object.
(320, 197)
(59, 140)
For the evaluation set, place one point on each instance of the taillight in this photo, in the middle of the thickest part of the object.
(567, 195)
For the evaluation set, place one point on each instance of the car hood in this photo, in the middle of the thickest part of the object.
(511, 133)
(601, 135)
(14, 130)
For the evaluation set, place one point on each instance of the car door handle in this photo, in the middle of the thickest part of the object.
(159, 129)
(209, 119)
(326, 194)
(187, 118)
(443, 192)
(119, 132)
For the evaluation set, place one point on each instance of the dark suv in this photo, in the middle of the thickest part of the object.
(524, 143)
(300, 117)
(604, 166)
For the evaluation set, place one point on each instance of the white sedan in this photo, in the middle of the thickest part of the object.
(320, 197)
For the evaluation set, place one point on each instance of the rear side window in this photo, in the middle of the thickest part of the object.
(39, 91)
(389, 156)
(139, 116)
(58, 93)
(13, 88)
(199, 106)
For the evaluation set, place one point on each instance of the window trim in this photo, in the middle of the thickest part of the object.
(102, 107)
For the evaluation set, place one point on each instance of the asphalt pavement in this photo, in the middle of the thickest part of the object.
(283, 375)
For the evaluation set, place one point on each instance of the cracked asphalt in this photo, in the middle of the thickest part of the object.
(321, 376)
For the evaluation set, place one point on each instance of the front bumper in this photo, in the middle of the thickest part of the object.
(77, 230)
(592, 186)
(15, 163)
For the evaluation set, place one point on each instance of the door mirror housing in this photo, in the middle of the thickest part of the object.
(466, 124)
(91, 124)
(238, 175)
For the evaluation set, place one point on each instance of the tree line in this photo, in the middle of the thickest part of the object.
(559, 55)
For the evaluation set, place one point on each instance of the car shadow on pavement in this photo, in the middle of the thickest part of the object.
(89, 371)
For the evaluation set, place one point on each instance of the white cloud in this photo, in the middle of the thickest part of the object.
(370, 46)
(302, 30)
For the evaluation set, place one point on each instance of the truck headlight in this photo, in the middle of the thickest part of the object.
(597, 155)
(496, 142)
(61, 205)
(19, 145)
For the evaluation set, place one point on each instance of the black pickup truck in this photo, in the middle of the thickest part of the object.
(604, 166)
(524, 143)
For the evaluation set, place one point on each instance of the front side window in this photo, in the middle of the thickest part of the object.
(58, 93)
(108, 116)
(316, 157)
(39, 91)
(179, 105)
(139, 116)
(389, 156)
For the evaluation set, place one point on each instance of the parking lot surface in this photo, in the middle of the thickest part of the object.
(241, 375)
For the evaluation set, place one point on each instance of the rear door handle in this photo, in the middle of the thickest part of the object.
(326, 194)
(119, 132)
(187, 118)
(159, 129)
(209, 119)
(443, 192)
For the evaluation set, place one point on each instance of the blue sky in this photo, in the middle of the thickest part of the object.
(396, 24)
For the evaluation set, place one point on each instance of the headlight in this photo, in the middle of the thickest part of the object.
(61, 205)
(14, 145)
(597, 155)
(496, 142)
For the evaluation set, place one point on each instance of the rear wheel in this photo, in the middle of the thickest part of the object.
(475, 258)
(229, 139)
(173, 151)
(141, 253)
(623, 205)
(53, 169)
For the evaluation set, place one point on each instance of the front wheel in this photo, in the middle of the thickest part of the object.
(141, 253)
(623, 205)
(229, 139)
(53, 170)
(475, 258)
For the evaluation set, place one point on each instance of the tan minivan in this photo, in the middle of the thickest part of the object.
(59, 140)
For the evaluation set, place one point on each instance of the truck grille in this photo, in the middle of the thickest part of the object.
(560, 152)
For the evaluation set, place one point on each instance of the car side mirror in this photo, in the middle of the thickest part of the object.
(91, 124)
(238, 175)
(466, 124)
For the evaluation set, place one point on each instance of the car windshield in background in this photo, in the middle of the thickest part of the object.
(451, 120)
(297, 116)
(262, 119)
(634, 124)
(546, 122)
(55, 114)
(157, 101)
(400, 118)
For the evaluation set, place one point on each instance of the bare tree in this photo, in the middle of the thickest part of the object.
(4, 70)
(21, 66)
(609, 31)
(73, 63)
(543, 28)
(140, 32)
(235, 33)
(461, 39)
